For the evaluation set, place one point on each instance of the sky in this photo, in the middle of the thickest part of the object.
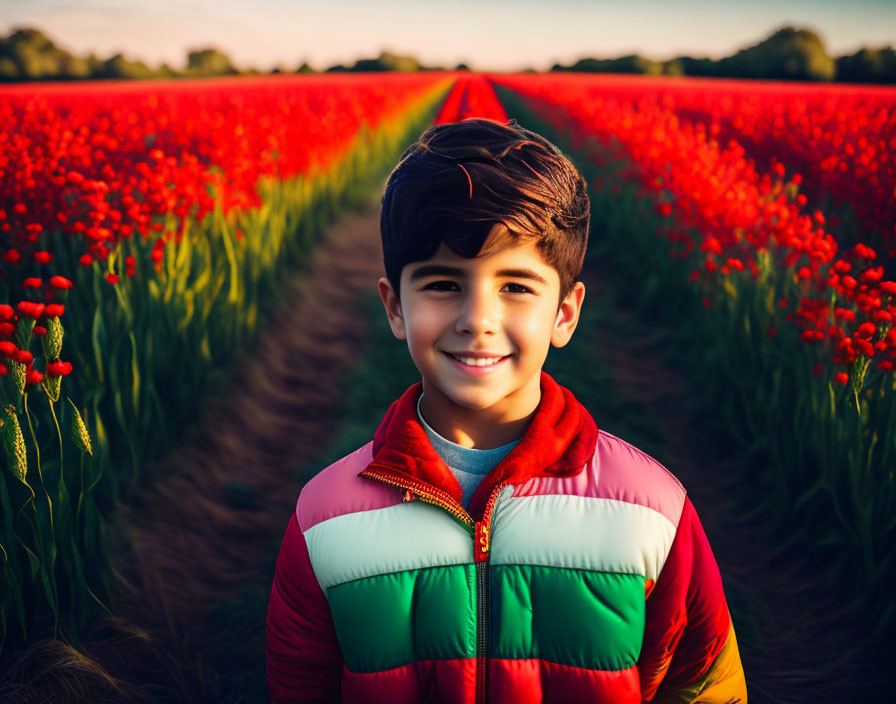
(496, 35)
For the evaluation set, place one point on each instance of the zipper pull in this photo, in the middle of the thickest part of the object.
(483, 538)
(407, 495)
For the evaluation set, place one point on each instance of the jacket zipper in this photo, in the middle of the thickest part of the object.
(482, 600)
(481, 544)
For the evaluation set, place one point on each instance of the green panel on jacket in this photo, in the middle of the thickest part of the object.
(568, 616)
(394, 619)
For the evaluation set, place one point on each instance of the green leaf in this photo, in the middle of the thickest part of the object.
(100, 342)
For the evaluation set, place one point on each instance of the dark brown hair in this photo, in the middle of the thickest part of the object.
(460, 182)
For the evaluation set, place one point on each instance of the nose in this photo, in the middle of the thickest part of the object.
(479, 313)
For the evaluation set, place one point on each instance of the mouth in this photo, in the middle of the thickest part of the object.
(476, 364)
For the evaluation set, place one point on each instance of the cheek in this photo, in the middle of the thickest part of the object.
(421, 327)
(534, 329)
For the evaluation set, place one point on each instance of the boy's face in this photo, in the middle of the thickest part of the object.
(502, 306)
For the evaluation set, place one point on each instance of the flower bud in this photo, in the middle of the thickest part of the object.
(14, 443)
(53, 339)
(79, 432)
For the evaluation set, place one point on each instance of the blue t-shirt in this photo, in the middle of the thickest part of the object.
(468, 464)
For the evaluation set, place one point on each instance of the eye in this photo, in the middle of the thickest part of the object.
(447, 286)
(439, 285)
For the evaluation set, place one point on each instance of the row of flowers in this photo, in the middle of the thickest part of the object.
(837, 142)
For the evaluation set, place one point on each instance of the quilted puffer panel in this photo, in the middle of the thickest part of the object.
(581, 532)
(554, 613)
(391, 620)
(407, 536)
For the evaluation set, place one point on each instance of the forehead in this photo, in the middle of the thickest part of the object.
(510, 260)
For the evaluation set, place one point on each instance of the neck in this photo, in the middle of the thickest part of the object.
(480, 428)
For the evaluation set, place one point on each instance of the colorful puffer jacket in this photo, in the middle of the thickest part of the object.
(580, 574)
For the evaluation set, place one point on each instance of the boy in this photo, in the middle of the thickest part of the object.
(490, 544)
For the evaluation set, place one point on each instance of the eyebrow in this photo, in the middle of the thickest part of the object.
(442, 270)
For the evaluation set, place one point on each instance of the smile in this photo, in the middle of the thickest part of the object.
(477, 366)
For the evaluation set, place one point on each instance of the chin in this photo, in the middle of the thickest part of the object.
(478, 400)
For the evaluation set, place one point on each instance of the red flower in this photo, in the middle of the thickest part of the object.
(60, 282)
(866, 330)
(841, 378)
(864, 251)
(58, 368)
(30, 309)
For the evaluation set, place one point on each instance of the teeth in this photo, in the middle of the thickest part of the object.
(478, 362)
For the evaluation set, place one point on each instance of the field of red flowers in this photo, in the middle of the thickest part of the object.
(160, 220)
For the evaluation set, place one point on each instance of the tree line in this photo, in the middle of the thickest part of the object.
(789, 53)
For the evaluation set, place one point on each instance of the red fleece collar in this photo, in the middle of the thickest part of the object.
(559, 441)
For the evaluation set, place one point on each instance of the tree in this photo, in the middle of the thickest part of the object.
(209, 62)
(387, 61)
(789, 53)
(868, 66)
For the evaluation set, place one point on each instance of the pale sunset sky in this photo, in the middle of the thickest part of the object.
(498, 35)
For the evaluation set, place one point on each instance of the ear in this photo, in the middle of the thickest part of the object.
(392, 305)
(568, 316)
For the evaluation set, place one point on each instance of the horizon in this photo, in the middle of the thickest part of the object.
(343, 31)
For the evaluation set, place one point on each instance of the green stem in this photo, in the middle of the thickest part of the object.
(37, 454)
(80, 494)
(59, 435)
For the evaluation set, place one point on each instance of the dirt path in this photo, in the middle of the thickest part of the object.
(796, 643)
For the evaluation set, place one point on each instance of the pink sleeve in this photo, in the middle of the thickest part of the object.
(690, 652)
(302, 655)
